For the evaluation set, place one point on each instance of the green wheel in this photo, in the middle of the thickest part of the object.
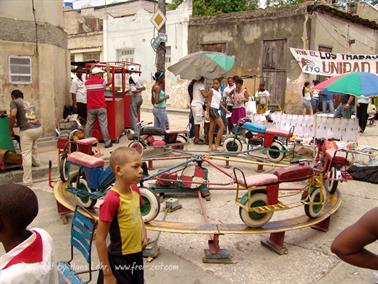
(254, 219)
(313, 195)
(150, 207)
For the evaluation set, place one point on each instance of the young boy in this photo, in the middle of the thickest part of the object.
(29, 256)
(120, 216)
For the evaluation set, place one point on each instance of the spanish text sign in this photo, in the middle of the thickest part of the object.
(331, 64)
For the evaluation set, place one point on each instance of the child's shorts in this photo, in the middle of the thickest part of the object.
(127, 269)
(214, 113)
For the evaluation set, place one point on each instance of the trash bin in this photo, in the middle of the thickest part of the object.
(6, 142)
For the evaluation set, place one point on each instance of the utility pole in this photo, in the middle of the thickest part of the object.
(160, 60)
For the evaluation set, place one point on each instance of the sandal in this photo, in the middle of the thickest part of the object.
(199, 142)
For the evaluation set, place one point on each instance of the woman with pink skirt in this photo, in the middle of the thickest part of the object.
(239, 97)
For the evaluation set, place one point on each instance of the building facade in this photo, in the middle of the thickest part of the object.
(34, 57)
(85, 27)
(129, 39)
(260, 41)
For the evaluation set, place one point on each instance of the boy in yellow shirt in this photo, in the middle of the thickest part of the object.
(120, 216)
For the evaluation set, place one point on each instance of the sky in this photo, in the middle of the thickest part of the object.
(77, 4)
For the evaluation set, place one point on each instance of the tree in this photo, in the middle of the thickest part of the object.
(213, 7)
(280, 3)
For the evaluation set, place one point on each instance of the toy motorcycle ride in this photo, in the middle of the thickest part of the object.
(273, 140)
(145, 136)
(93, 180)
(256, 207)
(334, 162)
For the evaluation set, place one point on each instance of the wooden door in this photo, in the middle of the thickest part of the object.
(274, 70)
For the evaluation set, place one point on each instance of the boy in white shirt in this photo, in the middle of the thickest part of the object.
(29, 257)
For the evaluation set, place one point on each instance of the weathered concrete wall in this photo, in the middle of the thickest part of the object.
(367, 11)
(88, 40)
(50, 80)
(47, 11)
(50, 58)
(243, 35)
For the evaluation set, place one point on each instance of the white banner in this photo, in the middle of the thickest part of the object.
(331, 64)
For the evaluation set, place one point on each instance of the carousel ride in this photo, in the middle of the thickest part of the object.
(257, 197)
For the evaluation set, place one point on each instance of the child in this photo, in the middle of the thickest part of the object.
(29, 256)
(215, 105)
(120, 216)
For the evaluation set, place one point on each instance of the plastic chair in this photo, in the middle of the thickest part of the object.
(82, 231)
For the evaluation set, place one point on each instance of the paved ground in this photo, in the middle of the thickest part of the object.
(309, 259)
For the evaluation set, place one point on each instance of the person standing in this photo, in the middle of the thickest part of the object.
(159, 101)
(227, 93)
(96, 105)
(327, 104)
(30, 131)
(79, 94)
(362, 115)
(191, 120)
(215, 119)
(136, 89)
(239, 98)
(262, 98)
(306, 93)
(197, 107)
(315, 97)
(345, 108)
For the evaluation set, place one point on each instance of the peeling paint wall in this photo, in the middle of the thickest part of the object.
(243, 34)
(50, 62)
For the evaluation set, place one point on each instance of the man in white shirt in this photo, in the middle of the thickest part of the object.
(29, 257)
(197, 106)
(136, 89)
(79, 94)
(227, 93)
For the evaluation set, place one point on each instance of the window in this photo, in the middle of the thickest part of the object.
(20, 69)
(126, 54)
(217, 47)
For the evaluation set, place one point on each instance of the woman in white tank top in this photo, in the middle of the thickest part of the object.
(215, 105)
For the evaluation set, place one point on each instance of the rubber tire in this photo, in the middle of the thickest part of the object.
(151, 205)
(232, 144)
(180, 139)
(331, 186)
(87, 203)
(249, 220)
(63, 171)
(272, 156)
(137, 146)
(313, 211)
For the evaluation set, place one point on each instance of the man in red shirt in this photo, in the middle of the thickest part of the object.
(96, 105)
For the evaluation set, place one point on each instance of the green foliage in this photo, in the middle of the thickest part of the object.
(213, 7)
(174, 4)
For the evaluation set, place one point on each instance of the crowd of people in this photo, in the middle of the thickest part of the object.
(218, 109)
(345, 104)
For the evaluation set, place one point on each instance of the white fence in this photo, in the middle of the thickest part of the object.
(318, 126)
